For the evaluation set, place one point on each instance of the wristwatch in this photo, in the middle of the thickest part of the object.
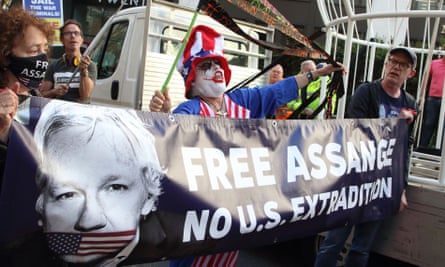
(309, 76)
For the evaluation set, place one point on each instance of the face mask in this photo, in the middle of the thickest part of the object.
(30, 71)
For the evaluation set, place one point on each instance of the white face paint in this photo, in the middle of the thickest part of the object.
(209, 79)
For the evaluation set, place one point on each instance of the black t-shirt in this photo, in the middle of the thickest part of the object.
(60, 72)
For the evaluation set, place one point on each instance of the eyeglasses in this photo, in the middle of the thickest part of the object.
(207, 64)
(403, 65)
(68, 34)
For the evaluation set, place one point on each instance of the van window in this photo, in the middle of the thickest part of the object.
(107, 52)
(170, 46)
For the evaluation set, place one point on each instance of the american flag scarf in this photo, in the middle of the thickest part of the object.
(225, 259)
(86, 244)
(233, 110)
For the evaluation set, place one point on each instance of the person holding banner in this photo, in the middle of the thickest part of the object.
(378, 99)
(24, 42)
(206, 74)
(72, 76)
(116, 187)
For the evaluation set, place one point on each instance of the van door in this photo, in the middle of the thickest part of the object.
(116, 82)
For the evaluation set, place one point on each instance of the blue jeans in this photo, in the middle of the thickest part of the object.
(430, 120)
(364, 234)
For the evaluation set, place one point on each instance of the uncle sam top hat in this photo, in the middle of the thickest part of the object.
(204, 43)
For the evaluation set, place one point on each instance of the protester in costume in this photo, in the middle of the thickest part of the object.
(206, 74)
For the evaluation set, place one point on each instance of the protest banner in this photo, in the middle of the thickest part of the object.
(226, 183)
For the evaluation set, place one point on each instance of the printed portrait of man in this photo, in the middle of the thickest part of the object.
(99, 176)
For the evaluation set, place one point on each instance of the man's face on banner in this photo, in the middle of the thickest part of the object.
(93, 188)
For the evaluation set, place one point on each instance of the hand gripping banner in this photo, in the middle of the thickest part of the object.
(90, 184)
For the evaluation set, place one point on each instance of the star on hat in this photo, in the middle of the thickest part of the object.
(204, 43)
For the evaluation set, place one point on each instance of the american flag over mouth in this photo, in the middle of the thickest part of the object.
(86, 244)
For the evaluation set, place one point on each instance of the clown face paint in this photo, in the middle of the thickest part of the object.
(209, 79)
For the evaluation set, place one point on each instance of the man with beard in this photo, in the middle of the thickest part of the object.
(206, 74)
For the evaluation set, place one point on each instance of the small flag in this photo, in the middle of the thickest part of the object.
(85, 244)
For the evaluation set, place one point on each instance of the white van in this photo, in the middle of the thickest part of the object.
(132, 63)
